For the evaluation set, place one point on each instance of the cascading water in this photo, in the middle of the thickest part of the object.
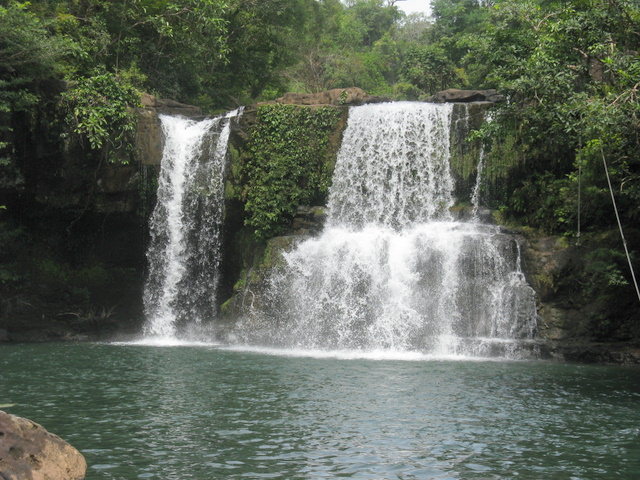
(475, 194)
(185, 227)
(392, 270)
(393, 167)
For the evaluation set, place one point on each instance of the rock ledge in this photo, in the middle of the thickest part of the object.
(336, 96)
(465, 96)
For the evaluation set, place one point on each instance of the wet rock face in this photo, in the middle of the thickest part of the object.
(149, 136)
(308, 220)
(168, 106)
(29, 452)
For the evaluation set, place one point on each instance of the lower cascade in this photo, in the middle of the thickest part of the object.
(185, 227)
(392, 270)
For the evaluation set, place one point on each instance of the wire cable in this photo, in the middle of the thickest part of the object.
(615, 208)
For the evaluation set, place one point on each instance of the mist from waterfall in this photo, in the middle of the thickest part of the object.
(185, 227)
(392, 270)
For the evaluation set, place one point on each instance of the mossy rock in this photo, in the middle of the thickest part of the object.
(253, 281)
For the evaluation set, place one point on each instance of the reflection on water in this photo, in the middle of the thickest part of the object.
(205, 413)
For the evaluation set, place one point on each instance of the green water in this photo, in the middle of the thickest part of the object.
(205, 413)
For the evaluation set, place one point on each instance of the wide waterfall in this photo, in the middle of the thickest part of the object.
(185, 227)
(392, 270)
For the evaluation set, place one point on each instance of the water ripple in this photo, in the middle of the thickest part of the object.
(206, 413)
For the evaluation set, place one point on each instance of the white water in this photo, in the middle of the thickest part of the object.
(351, 354)
(393, 166)
(185, 227)
(392, 271)
(475, 194)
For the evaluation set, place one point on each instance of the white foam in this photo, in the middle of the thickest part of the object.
(375, 355)
(167, 342)
(343, 354)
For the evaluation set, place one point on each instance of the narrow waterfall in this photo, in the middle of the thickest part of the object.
(392, 270)
(185, 227)
(475, 194)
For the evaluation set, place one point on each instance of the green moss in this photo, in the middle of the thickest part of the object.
(232, 190)
(563, 242)
(226, 307)
(254, 277)
(459, 207)
(289, 163)
(272, 257)
(241, 283)
(267, 258)
(499, 216)
(544, 281)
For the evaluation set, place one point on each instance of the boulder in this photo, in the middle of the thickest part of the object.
(465, 96)
(336, 96)
(29, 452)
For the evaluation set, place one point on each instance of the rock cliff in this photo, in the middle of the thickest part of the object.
(74, 232)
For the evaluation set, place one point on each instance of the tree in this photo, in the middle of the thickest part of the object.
(428, 68)
(263, 40)
(347, 46)
(28, 58)
(570, 71)
(98, 115)
(173, 45)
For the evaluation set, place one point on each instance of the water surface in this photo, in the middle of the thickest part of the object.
(206, 413)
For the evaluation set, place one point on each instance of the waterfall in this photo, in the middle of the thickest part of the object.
(185, 226)
(392, 270)
(475, 194)
(393, 166)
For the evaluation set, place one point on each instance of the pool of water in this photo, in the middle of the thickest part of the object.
(205, 412)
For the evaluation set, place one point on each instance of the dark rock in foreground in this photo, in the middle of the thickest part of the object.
(29, 452)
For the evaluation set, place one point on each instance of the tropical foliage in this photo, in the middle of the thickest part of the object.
(283, 170)
(570, 71)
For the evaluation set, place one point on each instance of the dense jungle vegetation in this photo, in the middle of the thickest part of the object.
(570, 71)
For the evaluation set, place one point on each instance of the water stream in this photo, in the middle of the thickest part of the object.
(475, 194)
(392, 269)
